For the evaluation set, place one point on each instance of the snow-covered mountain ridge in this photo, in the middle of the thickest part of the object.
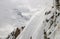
(48, 29)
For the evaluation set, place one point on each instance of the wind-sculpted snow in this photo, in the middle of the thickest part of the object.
(32, 26)
(17, 13)
(43, 26)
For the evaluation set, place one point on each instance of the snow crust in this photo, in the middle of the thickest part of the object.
(17, 13)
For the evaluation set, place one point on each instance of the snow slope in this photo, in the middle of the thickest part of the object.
(17, 13)
(34, 26)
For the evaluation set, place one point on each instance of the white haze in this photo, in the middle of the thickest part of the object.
(17, 13)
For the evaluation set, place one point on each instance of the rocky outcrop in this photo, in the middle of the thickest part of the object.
(51, 23)
(14, 34)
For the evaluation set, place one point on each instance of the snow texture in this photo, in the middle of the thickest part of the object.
(28, 13)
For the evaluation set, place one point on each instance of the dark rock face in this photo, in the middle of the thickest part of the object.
(51, 22)
(47, 20)
(48, 12)
(31, 37)
(23, 27)
(15, 33)
(57, 3)
(45, 35)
